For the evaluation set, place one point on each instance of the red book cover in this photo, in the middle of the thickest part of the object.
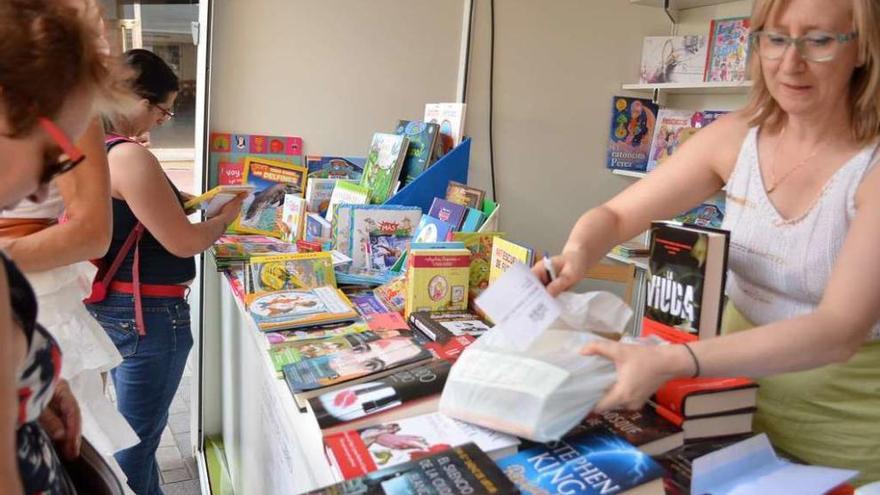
(673, 394)
(231, 174)
(308, 246)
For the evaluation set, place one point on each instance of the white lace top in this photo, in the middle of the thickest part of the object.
(778, 268)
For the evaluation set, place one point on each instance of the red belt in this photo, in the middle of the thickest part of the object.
(150, 290)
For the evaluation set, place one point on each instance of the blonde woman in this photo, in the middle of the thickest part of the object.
(803, 208)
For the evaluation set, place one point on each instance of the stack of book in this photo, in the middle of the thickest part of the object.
(708, 407)
(630, 250)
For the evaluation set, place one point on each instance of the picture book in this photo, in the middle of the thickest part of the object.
(392, 294)
(480, 246)
(422, 142)
(289, 271)
(215, 199)
(319, 192)
(380, 234)
(384, 162)
(358, 452)
(673, 128)
(710, 213)
(304, 246)
(472, 220)
(350, 406)
(298, 308)
(490, 209)
(595, 463)
(702, 396)
(464, 470)
(341, 229)
(448, 212)
(450, 117)
(293, 212)
(352, 358)
(230, 254)
(272, 179)
(464, 195)
(228, 151)
(673, 59)
(728, 50)
(441, 326)
(367, 304)
(437, 279)
(632, 126)
(504, 254)
(687, 267)
(335, 167)
(431, 229)
(644, 429)
(284, 337)
(317, 229)
(346, 192)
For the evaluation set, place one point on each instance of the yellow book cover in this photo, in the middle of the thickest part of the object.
(505, 254)
(289, 271)
(437, 279)
(300, 308)
(272, 179)
(480, 246)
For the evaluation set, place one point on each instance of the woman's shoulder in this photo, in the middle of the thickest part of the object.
(129, 152)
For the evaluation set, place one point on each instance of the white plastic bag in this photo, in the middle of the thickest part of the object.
(539, 393)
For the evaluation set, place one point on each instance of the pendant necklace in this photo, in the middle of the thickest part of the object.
(774, 182)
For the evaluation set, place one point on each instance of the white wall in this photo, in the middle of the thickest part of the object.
(331, 71)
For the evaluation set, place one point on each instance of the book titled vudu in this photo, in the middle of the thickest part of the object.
(687, 268)
(594, 463)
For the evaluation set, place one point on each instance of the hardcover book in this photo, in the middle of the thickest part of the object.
(384, 162)
(380, 234)
(441, 326)
(433, 230)
(358, 452)
(701, 396)
(346, 192)
(293, 214)
(464, 470)
(505, 254)
(644, 429)
(227, 154)
(464, 195)
(673, 59)
(448, 212)
(272, 180)
(437, 279)
(480, 246)
(335, 167)
(632, 126)
(319, 192)
(215, 199)
(728, 50)
(686, 273)
(596, 463)
(299, 308)
(422, 142)
(289, 271)
(720, 425)
(673, 128)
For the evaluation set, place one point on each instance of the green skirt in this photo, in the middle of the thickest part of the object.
(827, 416)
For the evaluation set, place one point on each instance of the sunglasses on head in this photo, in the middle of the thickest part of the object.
(64, 159)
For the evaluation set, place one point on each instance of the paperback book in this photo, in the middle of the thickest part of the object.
(272, 180)
(384, 162)
(673, 128)
(345, 192)
(379, 234)
(214, 200)
(448, 212)
(299, 308)
(432, 229)
(644, 429)
(710, 213)
(422, 143)
(632, 126)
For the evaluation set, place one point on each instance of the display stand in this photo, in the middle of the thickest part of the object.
(432, 182)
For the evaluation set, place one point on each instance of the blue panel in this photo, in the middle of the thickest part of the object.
(432, 183)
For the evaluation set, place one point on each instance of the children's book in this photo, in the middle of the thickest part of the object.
(464, 470)
(317, 229)
(673, 59)
(335, 167)
(293, 213)
(673, 128)
(644, 429)
(437, 279)
(319, 192)
(341, 229)
(450, 117)
(422, 142)
(710, 213)
(289, 271)
(367, 304)
(401, 394)
(595, 463)
(448, 212)
(687, 267)
(504, 254)
(215, 199)
(227, 154)
(261, 210)
(346, 192)
(490, 210)
(380, 234)
(480, 246)
(632, 126)
(464, 194)
(358, 452)
(728, 50)
(392, 294)
(299, 308)
(384, 162)
(229, 253)
(472, 220)
(441, 326)
(433, 230)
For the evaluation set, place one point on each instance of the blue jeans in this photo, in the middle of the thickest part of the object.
(149, 375)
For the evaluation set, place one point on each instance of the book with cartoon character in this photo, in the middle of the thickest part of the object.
(289, 271)
(335, 167)
(632, 127)
(298, 308)
(422, 143)
(261, 211)
(673, 128)
(384, 162)
(228, 151)
(379, 234)
(728, 50)
(480, 246)
(437, 279)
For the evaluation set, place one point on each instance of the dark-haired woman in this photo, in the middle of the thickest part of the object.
(146, 313)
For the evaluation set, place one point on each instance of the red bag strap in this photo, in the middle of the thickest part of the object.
(133, 239)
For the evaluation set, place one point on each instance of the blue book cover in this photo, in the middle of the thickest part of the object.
(632, 127)
(473, 220)
(432, 229)
(449, 212)
(596, 463)
(422, 139)
(335, 167)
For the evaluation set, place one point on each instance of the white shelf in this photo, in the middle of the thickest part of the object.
(629, 173)
(694, 88)
(680, 4)
(640, 262)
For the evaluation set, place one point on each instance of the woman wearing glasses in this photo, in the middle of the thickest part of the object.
(146, 313)
(803, 208)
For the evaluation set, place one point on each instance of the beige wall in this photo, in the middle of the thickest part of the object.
(331, 71)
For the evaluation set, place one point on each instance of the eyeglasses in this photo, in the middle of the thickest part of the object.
(815, 46)
(62, 160)
(166, 112)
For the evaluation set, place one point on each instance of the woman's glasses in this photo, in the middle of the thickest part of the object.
(64, 159)
(166, 112)
(815, 46)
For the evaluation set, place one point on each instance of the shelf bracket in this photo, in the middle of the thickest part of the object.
(671, 14)
(655, 96)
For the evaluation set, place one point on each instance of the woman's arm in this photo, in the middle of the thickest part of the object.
(695, 172)
(12, 352)
(137, 178)
(833, 333)
(86, 194)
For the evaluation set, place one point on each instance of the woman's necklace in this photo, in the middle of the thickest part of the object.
(774, 182)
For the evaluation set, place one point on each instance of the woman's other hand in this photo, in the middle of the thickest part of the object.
(232, 209)
(569, 267)
(62, 421)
